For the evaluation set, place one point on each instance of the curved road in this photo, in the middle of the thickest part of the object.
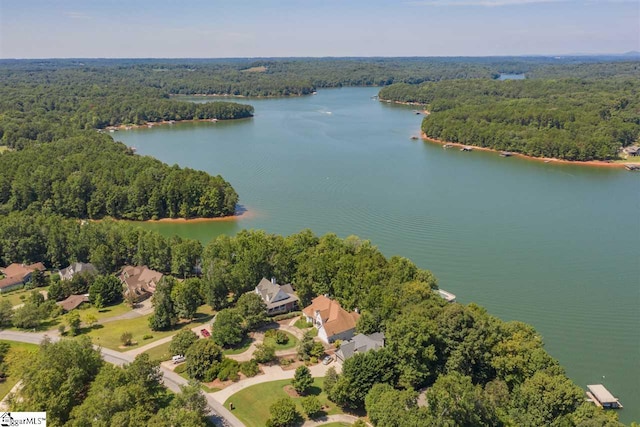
(219, 414)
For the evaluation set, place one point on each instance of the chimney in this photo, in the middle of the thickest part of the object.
(273, 280)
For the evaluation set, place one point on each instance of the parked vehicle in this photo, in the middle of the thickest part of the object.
(178, 359)
(205, 333)
(327, 360)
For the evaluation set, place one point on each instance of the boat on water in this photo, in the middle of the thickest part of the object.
(466, 148)
(414, 138)
(447, 296)
(506, 154)
(447, 146)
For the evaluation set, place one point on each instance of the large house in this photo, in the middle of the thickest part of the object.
(16, 275)
(77, 268)
(140, 281)
(360, 344)
(278, 298)
(332, 321)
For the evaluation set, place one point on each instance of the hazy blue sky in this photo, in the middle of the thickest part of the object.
(239, 28)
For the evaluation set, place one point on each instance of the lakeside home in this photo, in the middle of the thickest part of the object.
(278, 298)
(332, 321)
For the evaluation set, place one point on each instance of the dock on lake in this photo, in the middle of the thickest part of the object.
(599, 395)
(466, 148)
(632, 167)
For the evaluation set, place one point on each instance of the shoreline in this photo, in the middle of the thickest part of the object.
(592, 163)
(415, 104)
(244, 214)
(165, 122)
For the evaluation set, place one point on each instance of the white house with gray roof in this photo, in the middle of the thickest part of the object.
(360, 344)
(278, 298)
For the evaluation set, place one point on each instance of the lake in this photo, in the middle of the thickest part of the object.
(551, 245)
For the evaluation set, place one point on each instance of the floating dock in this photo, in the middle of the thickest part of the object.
(632, 167)
(466, 148)
(598, 394)
(506, 154)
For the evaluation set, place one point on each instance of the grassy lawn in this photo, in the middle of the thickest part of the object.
(160, 352)
(14, 296)
(108, 335)
(252, 403)
(292, 343)
(15, 353)
(302, 324)
(240, 348)
(105, 312)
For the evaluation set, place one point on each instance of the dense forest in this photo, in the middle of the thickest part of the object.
(57, 241)
(477, 369)
(572, 119)
(90, 176)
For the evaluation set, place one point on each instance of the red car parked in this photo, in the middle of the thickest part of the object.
(205, 333)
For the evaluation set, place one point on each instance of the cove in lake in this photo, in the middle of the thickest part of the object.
(551, 245)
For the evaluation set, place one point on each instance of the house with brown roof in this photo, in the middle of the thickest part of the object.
(73, 302)
(278, 298)
(139, 281)
(17, 275)
(332, 321)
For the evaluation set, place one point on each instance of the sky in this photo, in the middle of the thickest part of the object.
(271, 28)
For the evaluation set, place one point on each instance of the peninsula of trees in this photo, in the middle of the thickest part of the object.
(90, 176)
(571, 119)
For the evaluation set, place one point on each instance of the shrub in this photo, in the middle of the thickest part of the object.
(313, 360)
(285, 362)
(311, 406)
(264, 353)
(250, 368)
(281, 337)
(147, 337)
(286, 316)
(126, 338)
(228, 370)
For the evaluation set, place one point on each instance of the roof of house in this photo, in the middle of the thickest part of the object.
(335, 319)
(10, 281)
(140, 279)
(360, 344)
(16, 273)
(601, 393)
(73, 301)
(275, 295)
(75, 268)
